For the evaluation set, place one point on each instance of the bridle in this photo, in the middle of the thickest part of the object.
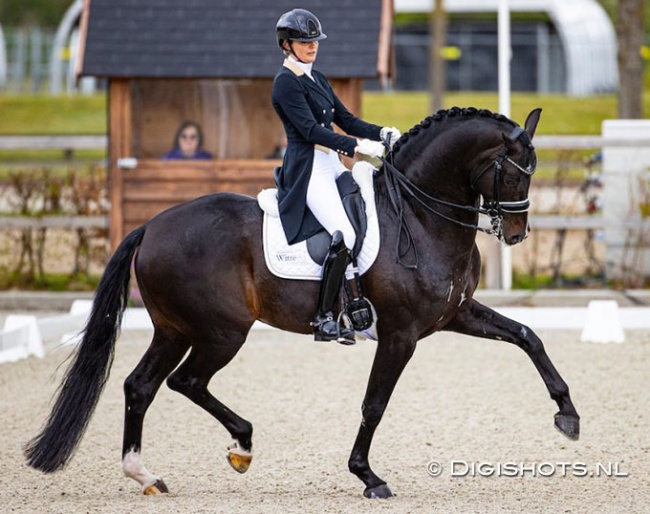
(496, 206)
(397, 184)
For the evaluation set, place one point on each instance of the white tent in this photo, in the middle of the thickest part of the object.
(3, 60)
(586, 32)
(66, 43)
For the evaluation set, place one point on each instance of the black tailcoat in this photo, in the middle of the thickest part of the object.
(307, 109)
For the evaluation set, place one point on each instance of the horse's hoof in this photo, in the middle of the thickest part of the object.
(238, 458)
(568, 425)
(379, 492)
(158, 487)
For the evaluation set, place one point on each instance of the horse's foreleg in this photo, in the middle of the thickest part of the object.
(390, 360)
(191, 379)
(140, 388)
(478, 320)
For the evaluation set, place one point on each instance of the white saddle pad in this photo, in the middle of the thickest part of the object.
(293, 261)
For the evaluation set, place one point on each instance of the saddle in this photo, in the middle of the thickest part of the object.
(355, 207)
(304, 260)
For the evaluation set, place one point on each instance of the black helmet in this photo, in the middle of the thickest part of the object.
(298, 25)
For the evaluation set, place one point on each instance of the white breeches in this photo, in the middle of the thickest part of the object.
(323, 197)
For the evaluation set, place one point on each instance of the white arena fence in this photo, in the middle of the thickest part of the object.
(602, 321)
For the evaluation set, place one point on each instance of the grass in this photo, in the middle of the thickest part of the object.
(563, 115)
(60, 115)
(43, 114)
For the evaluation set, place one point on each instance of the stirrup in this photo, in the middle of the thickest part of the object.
(348, 340)
(343, 335)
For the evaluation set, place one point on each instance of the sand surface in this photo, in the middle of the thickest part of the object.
(460, 399)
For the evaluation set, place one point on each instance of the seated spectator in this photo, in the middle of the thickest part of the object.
(188, 143)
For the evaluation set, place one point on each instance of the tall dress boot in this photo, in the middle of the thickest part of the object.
(326, 326)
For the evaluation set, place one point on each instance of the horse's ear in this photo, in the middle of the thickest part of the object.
(531, 121)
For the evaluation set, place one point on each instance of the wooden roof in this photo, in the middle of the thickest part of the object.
(228, 38)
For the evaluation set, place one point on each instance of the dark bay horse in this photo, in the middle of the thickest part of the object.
(201, 270)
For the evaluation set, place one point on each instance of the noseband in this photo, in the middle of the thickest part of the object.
(397, 184)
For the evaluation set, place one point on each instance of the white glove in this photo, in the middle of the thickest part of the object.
(394, 135)
(370, 148)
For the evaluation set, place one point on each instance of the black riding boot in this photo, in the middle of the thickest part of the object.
(326, 327)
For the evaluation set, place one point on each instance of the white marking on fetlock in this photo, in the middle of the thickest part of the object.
(238, 450)
(133, 468)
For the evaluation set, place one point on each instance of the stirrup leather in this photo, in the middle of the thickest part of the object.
(357, 307)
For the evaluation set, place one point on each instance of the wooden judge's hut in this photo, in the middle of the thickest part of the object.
(213, 62)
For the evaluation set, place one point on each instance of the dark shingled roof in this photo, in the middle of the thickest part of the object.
(223, 38)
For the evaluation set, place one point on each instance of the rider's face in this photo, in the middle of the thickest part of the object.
(305, 52)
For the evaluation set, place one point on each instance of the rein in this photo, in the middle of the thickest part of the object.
(397, 184)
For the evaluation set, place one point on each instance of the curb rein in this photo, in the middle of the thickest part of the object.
(397, 183)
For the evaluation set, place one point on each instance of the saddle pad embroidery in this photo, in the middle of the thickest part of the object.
(293, 261)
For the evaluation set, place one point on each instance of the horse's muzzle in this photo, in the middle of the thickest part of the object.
(515, 228)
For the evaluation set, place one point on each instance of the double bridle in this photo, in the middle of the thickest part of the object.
(397, 184)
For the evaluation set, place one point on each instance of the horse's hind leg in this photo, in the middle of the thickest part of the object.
(191, 379)
(478, 320)
(140, 388)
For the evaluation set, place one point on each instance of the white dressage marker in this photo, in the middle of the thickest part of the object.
(20, 338)
(603, 323)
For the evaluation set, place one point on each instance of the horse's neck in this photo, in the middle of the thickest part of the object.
(445, 180)
(427, 228)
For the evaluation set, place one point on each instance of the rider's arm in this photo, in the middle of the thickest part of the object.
(290, 101)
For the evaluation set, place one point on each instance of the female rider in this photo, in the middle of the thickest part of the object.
(307, 194)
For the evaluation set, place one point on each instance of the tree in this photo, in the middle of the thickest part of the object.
(437, 72)
(629, 30)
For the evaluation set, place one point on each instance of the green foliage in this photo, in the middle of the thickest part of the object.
(47, 282)
(25, 252)
(46, 13)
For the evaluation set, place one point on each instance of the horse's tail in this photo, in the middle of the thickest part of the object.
(88, 372)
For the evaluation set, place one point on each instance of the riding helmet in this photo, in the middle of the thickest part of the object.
(298, 25)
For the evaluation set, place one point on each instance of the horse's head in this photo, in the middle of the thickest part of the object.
(503, 179)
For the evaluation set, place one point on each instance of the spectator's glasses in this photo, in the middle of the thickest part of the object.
(190, 136)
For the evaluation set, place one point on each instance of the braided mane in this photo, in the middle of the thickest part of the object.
(448, 113)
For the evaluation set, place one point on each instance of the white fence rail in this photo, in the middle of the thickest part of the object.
(74, 142)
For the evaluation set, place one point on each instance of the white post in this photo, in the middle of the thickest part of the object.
(505, 54)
